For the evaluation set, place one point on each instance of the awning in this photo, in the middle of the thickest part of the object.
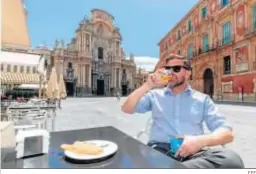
(29, 86)
(19, 78)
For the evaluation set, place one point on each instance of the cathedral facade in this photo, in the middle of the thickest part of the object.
(94, 63)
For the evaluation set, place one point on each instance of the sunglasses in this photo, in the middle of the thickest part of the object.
(176, 68)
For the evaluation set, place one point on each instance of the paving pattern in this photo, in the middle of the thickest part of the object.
(80, 113)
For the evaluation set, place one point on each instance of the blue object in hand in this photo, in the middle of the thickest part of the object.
(175, 144)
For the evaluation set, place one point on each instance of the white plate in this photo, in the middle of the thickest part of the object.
(108, 146)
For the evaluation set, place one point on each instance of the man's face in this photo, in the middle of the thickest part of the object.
(179, 74)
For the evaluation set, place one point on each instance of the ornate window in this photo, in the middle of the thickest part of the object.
(226, 33)
(87, 42)
(205, 43)
(204, 12)
(117, 48)
(227, 65)
(189, 26)
(70, 65)
(179, 35)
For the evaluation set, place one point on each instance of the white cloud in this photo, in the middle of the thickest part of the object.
(147, 63)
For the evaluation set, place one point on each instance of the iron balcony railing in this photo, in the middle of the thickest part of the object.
(226, 40)
(251, 29)
(204, 49)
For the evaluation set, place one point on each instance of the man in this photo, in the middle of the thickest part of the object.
(118, 96)
(179, 111)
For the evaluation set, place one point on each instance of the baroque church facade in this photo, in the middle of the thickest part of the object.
(94, 61)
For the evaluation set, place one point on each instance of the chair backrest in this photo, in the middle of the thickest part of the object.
(146, 129)
(38, 102)
(16, 113)
(37, 117)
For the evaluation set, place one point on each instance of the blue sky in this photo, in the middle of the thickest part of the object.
(142, 22)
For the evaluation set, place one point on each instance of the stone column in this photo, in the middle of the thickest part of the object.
(114, 78)
(83, 79)
(90, 78)
(120, 77)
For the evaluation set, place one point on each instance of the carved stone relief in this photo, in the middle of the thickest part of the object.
(227, 87)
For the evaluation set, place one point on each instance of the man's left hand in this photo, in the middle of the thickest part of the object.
(190, 146)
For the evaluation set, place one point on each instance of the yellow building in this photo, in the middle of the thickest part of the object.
(218, 36)
(14, 25)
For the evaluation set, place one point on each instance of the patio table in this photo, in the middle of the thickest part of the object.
(131, 153)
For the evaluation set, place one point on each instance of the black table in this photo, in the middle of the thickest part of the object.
(131, 153)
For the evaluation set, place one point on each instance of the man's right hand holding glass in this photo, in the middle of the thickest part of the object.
(158, 79)
(154, 80)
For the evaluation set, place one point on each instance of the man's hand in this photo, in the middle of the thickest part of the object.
(154, 79)
(190, 146)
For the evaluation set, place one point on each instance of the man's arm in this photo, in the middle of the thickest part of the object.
(217, 124)
(138, 101)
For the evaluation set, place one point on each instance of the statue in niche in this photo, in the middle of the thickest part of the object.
(124, 76)
(100, 30)
(62, 43)
(57, 43)
(84, 22)
(70, 71)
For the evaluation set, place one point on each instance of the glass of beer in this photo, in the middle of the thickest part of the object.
(164, 75)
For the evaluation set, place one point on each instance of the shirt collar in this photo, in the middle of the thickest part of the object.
(168, 90)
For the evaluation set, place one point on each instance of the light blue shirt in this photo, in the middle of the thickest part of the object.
(180, 114)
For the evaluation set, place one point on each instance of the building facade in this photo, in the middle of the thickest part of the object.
(19, 64)
(94, 61)
(219, 37)
(141, 77)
